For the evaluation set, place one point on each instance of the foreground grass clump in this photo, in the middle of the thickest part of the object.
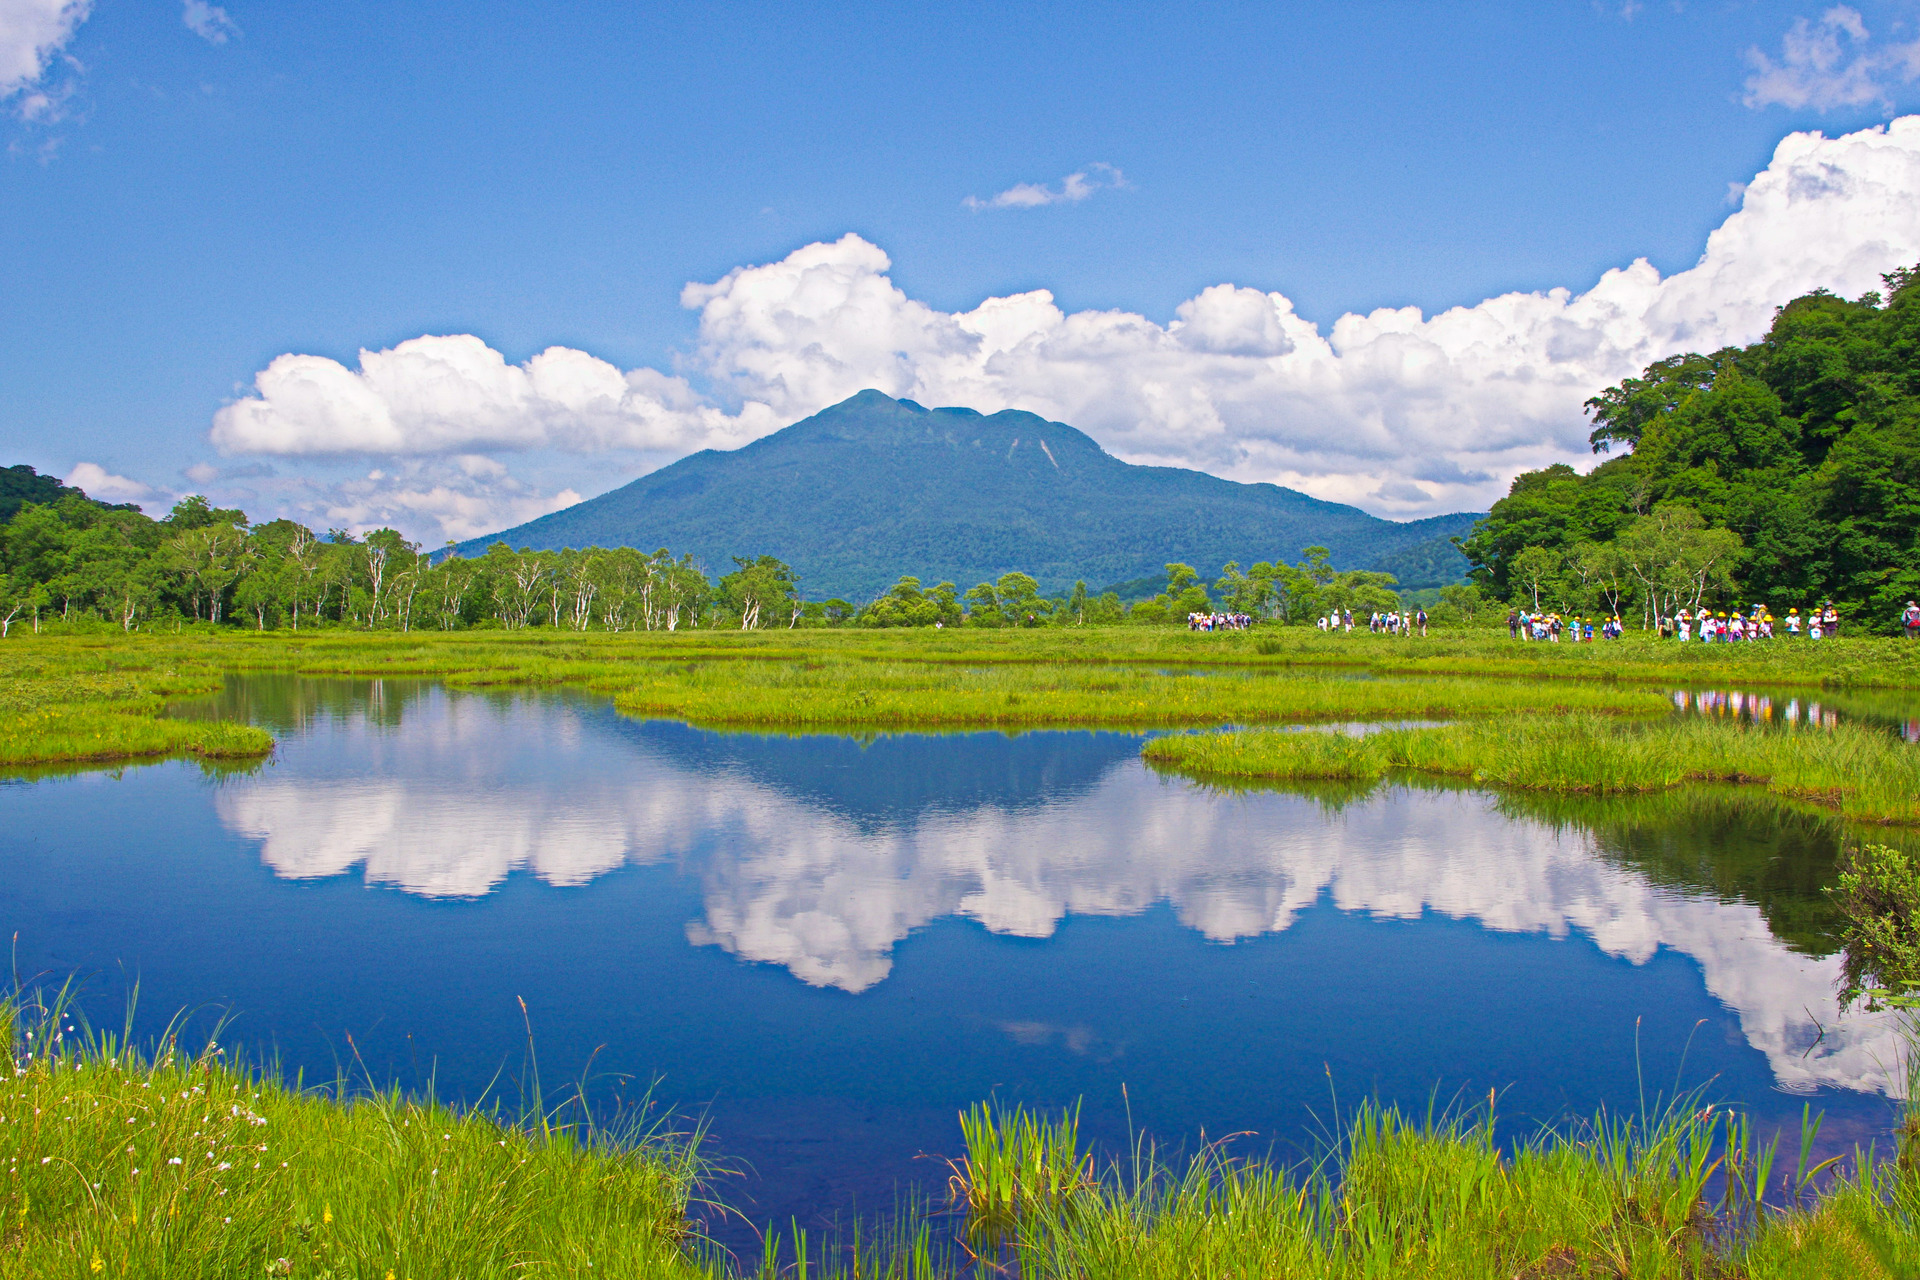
(1684, 1193)
(115, 1163)
(67, 714)
(165, 1166)
(1867, 775)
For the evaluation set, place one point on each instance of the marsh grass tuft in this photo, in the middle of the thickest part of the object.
(1682, 1191)
(1017, 1164)
(162, 1163)
(1866, 775)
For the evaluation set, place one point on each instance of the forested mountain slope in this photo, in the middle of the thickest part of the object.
(873, 487)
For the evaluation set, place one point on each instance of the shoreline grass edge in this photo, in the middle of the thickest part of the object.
(1865, 775)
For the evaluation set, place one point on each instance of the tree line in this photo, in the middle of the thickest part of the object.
(66, 557)
(1784, 474)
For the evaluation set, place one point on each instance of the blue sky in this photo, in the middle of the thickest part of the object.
(179, 208)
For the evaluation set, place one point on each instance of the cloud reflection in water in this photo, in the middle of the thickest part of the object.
(801, 867)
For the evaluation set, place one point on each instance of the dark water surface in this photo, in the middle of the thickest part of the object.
(828, 945)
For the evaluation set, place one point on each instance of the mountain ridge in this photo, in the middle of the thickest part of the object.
(873, 487)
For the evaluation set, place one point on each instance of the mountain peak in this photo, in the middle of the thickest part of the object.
(873, 487)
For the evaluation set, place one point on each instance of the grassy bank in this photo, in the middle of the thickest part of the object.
(155, 1166)
(1866, 775)
(165, 1165)
(1673, 1194)
(1853, 662)
(77, 698)
(52, 712)
(898, 695)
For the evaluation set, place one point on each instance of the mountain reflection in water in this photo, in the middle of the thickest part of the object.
(821, 854)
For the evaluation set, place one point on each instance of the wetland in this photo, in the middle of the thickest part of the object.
(822, 944)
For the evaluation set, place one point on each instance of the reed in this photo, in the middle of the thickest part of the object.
(165, 1164)
(58, 714)
(1018, 1164)
(1866, 775)
(844, 679)
(1684, 1192)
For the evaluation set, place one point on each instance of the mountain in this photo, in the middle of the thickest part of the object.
(874, 487)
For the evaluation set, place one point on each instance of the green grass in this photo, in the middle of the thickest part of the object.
(899, 695)
(98, 698)
(158, 1165)
(55, 715)
(1672, 1194)
(1864, 774)
(165, 1165)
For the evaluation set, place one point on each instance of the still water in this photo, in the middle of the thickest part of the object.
(828, 945)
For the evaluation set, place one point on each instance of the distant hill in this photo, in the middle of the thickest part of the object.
(21, 484)
(874, 487)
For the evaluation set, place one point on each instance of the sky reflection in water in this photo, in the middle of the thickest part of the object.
(830, 945)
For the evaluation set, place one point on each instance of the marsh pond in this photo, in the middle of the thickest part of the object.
(825, 946)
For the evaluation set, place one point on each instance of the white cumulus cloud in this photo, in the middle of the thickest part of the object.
(32, 33)
(208, 21)
(1073, 188)
(102, 484)
(1830, 63)
(456, 394)
(461, 498)
(1398, 411)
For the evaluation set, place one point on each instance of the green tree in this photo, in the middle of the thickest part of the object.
(1465, 602)
(1020, 602)
(1076, 606)
(761, 592)
(1621, 414)
(1535, 572)
(206, 558)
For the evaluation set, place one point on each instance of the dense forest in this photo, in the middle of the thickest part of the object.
(67, 559)
(1782, 474)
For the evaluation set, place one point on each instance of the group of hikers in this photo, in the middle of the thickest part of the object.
(1705, 625)
(1522, 625)
(1393, 622)
(1758, 623)
(1219, 621)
